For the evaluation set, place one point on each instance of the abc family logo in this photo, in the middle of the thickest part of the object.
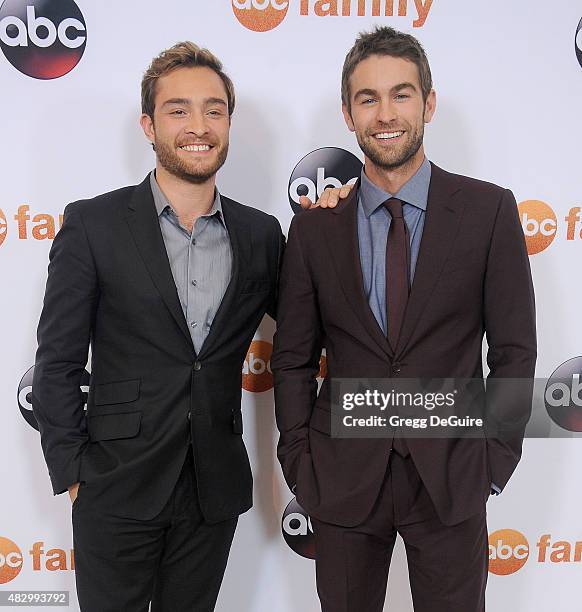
(540, 224)
(320, 169)
(563, 395)
(25, 395)
(44, 39)
(12, 560)
(264, 15)
(509, 551)
(256, 373)
(40, 226)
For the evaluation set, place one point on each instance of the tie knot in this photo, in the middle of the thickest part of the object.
(394, 207)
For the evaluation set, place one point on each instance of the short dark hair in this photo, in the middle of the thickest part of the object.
(181, 55)
(386, 41)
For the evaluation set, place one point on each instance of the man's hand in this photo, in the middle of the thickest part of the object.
(328, 199)
(73, 491)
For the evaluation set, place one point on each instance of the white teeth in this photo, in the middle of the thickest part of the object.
(195, 148)
(385, 135)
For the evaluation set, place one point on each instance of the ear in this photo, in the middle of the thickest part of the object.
(147, 125)
(430, 106)
(348, 118)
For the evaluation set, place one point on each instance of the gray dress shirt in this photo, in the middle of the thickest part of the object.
(373, 225)
(201, 262)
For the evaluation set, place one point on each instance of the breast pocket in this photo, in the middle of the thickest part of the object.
(250, 286)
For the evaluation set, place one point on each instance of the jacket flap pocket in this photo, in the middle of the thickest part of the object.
(321, 421)
(113, 426)
(116, 392)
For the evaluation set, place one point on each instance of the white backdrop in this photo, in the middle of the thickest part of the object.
(509, 90)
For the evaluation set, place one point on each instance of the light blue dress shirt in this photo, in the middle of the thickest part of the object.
(373, 225)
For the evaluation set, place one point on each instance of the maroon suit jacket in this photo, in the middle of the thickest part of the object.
(472, 278)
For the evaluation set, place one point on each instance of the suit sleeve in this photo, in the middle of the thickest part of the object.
(510, 326)
(296, 354)
(64, 332)
(279, 249)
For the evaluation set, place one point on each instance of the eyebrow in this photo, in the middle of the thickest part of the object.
(182, 101)
(404, 85)
(187, 102)
(396, 88)
(215, 101)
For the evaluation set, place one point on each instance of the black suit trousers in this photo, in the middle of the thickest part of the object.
(447, 564)
(176, 560)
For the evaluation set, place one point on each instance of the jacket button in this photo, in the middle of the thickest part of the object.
(189, 416)
(396, 368)
(197, 366)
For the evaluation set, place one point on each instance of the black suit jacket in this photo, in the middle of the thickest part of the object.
(110, 287)
(472, 277)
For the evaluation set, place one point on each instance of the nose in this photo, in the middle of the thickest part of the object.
(197, 124)
(387, 111)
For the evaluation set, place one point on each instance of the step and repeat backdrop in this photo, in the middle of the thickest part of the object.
(508, 77)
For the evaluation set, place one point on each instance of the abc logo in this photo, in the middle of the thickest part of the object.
(25, 395)
(563, 395)
(257, 376)
(3, 227)
(579, 42)
(508, 552)
(44, 39)
(260, 15)
(539, 224)
(322, 168)
(10, 560)
(256, 373)
(297, 530)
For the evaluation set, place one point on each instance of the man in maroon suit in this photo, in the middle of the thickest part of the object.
(401, 280)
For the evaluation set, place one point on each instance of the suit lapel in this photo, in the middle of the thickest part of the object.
(346, 260)
(144, 225)
(443, 216)
(240, 235)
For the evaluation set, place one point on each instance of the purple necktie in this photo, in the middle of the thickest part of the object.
(397, 285)
(397, 271)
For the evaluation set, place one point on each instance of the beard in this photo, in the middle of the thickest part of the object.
(192, 172)
(392, 158)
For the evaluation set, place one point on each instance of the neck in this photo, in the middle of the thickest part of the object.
(392, 179)
(189, 200)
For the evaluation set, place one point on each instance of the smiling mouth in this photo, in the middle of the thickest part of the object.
(388, 135)
(195, 148)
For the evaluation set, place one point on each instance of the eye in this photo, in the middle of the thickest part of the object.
(402, 96)
(178, 112)
(368, 101)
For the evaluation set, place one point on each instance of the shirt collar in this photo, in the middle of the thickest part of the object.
(162, 204)
(414, 191)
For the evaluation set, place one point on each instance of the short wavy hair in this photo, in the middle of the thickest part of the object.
(386, 41)
(182, 55)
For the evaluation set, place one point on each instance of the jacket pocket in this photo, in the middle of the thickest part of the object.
(255, 286)
(119, 392)
(321, 421)
(113, 426)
